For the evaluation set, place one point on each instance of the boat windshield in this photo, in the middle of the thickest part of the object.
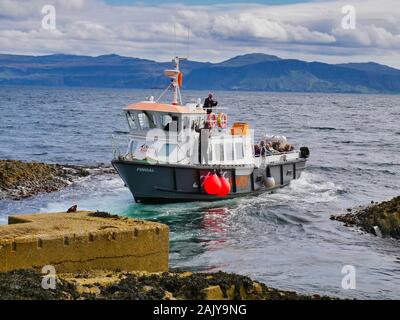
(146, 120)
(131, 121)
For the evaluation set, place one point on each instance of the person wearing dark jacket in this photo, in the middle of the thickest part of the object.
(209, 103)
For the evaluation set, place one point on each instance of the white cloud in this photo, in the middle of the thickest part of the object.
(310, 31)
(368, 36)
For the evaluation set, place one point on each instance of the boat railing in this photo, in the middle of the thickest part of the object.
(115, 149)
(166, 136)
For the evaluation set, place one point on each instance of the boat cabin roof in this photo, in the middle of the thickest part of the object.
(162, 107)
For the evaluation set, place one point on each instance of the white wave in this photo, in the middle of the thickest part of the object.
(309, 188)
(312, 188)
(105, 192)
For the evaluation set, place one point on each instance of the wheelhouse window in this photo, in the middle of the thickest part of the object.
(229, 151)
(131, 121)
(144, 121)
(217, 152)
(165, 119)
(170, 122)
(222, 149)
(239, 152)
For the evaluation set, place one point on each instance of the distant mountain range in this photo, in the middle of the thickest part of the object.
(250, 72)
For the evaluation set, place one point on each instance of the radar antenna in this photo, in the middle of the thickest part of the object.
(176, 81)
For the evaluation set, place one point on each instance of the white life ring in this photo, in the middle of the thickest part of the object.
(222, 120)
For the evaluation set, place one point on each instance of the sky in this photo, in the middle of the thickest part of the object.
(206, 30)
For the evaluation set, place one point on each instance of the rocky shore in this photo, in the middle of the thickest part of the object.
(98, 255)
(20, 179)
(380, 219)
(110, 285)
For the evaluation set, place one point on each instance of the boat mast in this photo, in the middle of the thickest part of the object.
(175, 85)
(177, 82)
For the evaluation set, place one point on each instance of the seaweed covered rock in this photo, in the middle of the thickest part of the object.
(20, 179)
(378, 218)
(27, 285)
(111, 285)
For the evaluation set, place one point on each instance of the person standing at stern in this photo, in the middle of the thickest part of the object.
(209, 103)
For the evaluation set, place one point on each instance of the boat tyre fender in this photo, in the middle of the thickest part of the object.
(304, 152)
(269, 181)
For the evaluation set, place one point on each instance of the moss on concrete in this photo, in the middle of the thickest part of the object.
(385, 216)
(111, 285)
(83, 241)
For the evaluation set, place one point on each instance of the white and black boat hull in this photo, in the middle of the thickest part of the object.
(167, 183)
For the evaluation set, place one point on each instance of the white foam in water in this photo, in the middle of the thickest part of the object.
(312, 188)
(106, 192)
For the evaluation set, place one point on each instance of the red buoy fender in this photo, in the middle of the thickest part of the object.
(225, 187)
(212, 184)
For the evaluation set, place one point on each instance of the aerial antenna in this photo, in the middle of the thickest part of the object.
(175, 39)
(188, 42)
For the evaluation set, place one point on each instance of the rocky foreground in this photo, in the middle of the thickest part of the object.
(20, 180)
(381, 219)
(27, 284)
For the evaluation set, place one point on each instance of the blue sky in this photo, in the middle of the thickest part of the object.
(218, 30)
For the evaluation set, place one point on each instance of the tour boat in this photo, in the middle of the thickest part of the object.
(168, 161)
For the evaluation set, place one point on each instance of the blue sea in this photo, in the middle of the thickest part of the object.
(284, 239)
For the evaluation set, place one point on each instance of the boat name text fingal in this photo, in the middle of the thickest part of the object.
(146, 170)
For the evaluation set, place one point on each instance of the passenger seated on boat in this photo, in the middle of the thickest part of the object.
(209, 103)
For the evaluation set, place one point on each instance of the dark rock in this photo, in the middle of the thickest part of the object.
(26, 284)
(384, 215)
(101, 214)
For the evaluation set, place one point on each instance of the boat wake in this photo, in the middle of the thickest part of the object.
(310, 188)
